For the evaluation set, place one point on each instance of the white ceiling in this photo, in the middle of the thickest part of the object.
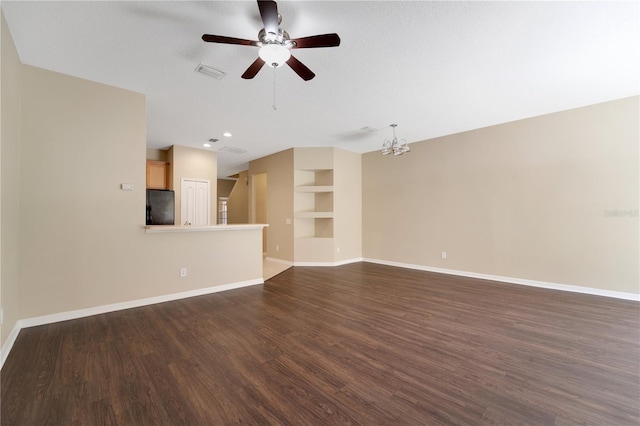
(435, 68)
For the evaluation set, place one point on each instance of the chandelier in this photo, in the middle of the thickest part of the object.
(393, 146)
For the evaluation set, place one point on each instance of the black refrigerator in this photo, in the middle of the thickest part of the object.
(160, 207)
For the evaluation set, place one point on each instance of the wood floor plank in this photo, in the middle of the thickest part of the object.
(359, 344)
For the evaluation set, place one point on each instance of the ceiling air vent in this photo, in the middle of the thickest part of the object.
(232, 150)
(211, 72)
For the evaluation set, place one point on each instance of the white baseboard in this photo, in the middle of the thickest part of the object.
(338, 263)
(510, 280)
(347, 261)
(8, 344)
(274, 260)
(81, 313)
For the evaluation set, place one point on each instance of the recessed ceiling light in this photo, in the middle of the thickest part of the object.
(226, 134)
(206, 145)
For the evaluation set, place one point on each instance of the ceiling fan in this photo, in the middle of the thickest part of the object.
(275, 43)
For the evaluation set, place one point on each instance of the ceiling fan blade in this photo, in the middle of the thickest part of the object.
(253, 69)
(322, 40)
(301, 69)
(269, 14)
(228, 40)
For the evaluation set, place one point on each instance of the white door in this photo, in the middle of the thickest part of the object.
(194, 204)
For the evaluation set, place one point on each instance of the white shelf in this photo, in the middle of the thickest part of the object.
(313, 209)
(313, 215)
(313, 188)
(314, 238)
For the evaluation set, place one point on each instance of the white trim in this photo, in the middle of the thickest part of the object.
(510, 280)
(338, 263)
(274, 260)
(153, 229)
(348, 261)
(81, 313)
(8, 344)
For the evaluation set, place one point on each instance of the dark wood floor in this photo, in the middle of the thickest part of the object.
(357, 344)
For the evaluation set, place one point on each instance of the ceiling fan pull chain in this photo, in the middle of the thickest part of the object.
(274, 90)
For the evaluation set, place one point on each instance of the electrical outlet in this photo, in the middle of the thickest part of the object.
(443, 254)
(338, 250)
(1, 316)
(183, 272)
(277, 247)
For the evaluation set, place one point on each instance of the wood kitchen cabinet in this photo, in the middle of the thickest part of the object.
(157, 174)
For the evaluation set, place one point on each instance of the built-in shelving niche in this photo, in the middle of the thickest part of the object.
(313, 203)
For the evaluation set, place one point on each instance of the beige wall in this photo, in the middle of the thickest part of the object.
(82, 239)
(280, 207)
(260, 203)
(195, 164)
(313, 158)
(339, 238)
(9, 182)
(525, 200)
(156, 154)
(225, 186)
(347, 205)
(238, 204)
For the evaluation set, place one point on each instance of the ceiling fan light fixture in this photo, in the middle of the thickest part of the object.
(274, 55)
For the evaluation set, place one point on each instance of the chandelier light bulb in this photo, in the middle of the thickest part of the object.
(386, 147)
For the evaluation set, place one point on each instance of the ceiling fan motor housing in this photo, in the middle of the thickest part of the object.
(281, 38)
